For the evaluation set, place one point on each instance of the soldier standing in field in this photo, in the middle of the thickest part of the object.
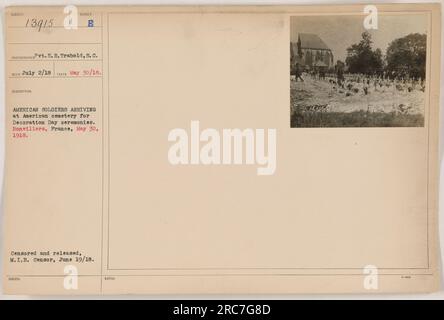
(298, 72)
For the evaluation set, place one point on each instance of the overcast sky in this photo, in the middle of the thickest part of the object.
(339, 32)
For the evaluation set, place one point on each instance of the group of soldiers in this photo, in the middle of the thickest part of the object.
(355, 83)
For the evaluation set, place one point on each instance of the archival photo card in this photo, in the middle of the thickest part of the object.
(151, 149)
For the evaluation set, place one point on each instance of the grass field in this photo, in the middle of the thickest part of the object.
(355, 119)
(318, 103)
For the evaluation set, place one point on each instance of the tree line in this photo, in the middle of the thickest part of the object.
(405, 57)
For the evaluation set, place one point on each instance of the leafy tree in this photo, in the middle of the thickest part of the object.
(361, 58)
(407, 56)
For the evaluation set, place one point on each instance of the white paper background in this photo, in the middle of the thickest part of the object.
(4, 3)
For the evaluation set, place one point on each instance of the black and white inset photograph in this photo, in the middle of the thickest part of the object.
(343, 75)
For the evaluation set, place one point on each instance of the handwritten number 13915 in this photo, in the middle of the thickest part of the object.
(39, 24)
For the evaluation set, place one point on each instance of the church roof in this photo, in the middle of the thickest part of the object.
(312, 41)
